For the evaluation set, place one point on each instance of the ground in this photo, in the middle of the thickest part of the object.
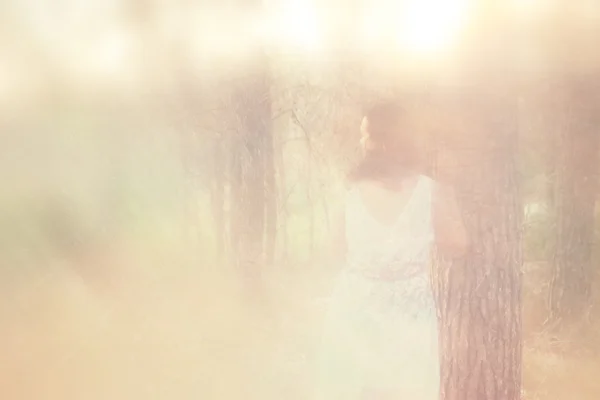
(151, 333)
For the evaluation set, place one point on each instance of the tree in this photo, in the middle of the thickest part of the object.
(575, 187)
(252, 180)
(219, 163)
(566, 41)
(480, 295)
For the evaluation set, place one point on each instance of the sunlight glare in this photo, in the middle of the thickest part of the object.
(527, 7)
(373, 29)
(298, 25)
(531, 10)
(432, 25)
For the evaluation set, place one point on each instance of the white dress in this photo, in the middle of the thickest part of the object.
(381, 333)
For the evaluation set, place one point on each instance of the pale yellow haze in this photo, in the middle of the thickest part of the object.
(420, 26)
(433, 25)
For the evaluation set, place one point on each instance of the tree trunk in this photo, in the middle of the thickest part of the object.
(281, 191)
(575, 199)
(190, 153)
(310, 200)
(271, 214)
(252, 186)
(480, 296)
(218, 198)
(308, 185)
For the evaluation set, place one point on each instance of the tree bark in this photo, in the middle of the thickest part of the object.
(575, 198)
(480, 295)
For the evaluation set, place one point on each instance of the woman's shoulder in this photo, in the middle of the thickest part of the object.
(427, 178)
(429, 185)
(431, 182)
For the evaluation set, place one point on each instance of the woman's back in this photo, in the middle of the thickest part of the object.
(389, 231)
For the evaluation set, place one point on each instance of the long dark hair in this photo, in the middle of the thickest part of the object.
(394, 151)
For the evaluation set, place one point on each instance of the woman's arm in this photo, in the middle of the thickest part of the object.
(451, 235)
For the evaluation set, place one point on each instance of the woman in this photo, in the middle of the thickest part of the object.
(381, 336)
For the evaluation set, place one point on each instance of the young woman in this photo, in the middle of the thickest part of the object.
(381, 336)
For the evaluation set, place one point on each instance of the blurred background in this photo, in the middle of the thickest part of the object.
(169, 171)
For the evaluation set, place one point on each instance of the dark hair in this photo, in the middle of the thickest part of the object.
(394, 150)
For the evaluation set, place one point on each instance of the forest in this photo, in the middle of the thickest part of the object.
(171, 171)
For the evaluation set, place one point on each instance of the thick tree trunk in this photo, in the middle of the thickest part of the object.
(575, 199)
(480, 296)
